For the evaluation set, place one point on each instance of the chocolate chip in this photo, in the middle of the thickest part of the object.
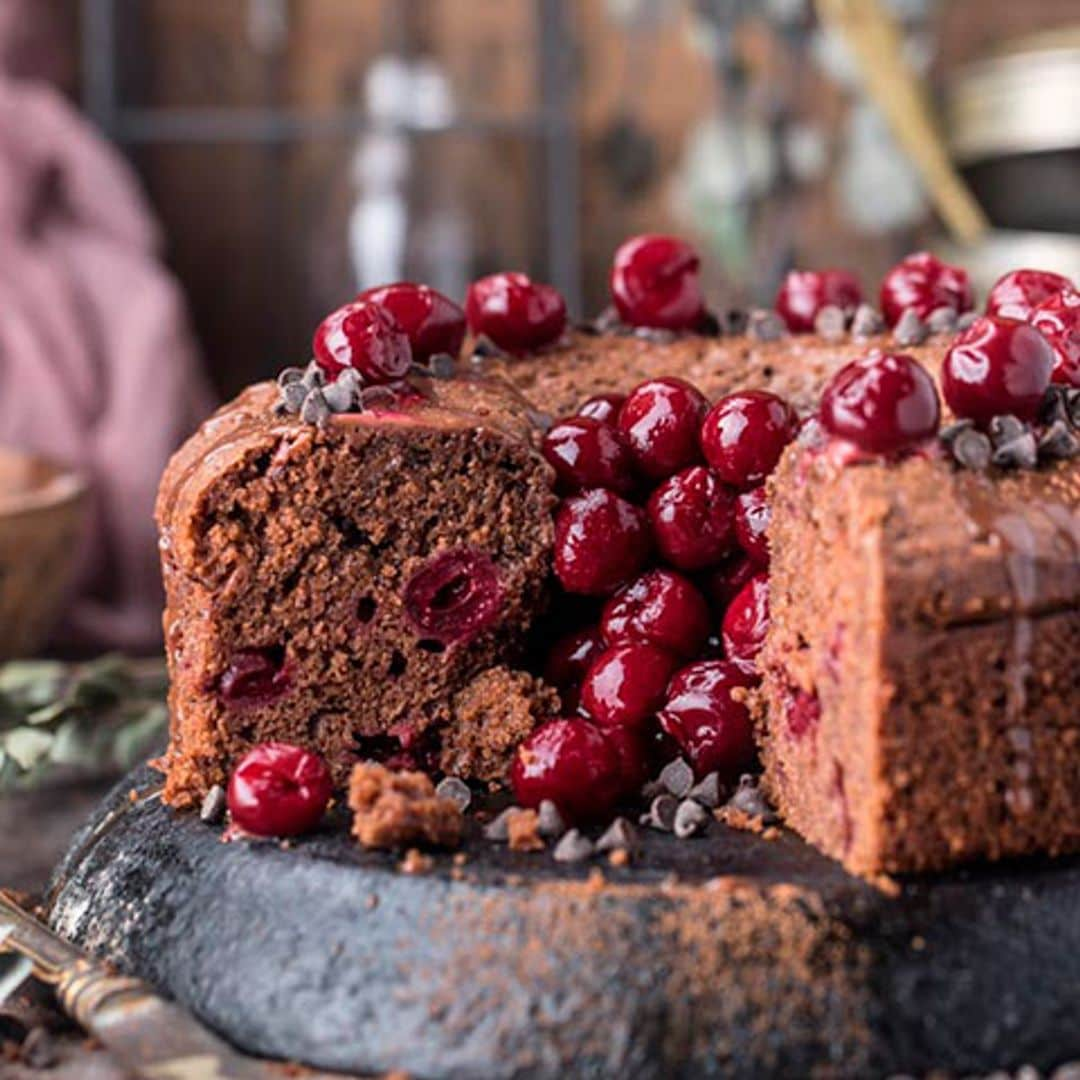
(456, 790)
(657, 335)
(972, 449)
(212, 810)
(541, 420)
(677, 777)
(830, 323)
(573, 847)
(499, 828)
(710, 325)
(484, 347)
(1072, 402)
(690, 819)
(1058, 442)
(736, 321)
(1005, 428)
(867, 322)
(707, 792)
(1019, 453)
(549, 823)
(951, 431)
(942, 320)
(661, 813)
(341, 395)
(607, 321)
(290, 375)
(749, 799)
(1055, 405)
(910, 329)
(965, 320)
(291, 397)
(620, 835)
(315, 409)
(313, 376)
(443, 366)
(765, 325)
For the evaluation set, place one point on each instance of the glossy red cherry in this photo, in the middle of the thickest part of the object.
(706, 714)
(363, 336)
(603, 407)
(517, 313)
(883, 403)
(279, 790)
(803, 293)
(573, 764)
(454, 596)
(997, 366)
(588, 453)
(254, 677)
(752, 523)
(924, 282)
(432, 321)
(747, 620)
(693, 518)
(625, 685)
(655, 282)
(601, 542)
(1016, 295)
(660, 420)
(568, 661)
(722, 583)
(1057, 318)
(632, 748)
(660, 608)
(744, 435)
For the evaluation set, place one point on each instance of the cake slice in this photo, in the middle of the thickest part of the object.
(337, 580)
(921, 684)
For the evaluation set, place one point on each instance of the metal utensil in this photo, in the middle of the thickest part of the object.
(153, 1038)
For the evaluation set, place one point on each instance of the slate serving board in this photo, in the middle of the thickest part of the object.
(728, 955)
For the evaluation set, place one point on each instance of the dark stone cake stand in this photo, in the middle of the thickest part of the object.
(728, 955)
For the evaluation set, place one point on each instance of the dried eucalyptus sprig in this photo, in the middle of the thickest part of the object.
(105, 714)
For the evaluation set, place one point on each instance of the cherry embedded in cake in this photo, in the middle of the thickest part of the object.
(804, 293)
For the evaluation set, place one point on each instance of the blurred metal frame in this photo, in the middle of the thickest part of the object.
(553, 125)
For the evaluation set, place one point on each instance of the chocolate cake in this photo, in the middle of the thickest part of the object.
(337, 580)
(921, 684)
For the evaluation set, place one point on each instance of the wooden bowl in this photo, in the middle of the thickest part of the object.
(42, 508)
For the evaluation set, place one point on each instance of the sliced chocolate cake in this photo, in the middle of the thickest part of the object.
(336, 580)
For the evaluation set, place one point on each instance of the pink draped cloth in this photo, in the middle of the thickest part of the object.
(98, 366)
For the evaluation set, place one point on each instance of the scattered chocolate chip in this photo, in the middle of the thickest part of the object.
(456, 790)
(541, 420)
(620, 835)
(972, 449)
(313, 376)
(1055, 405)
(1019, 453)
(942, 320)
(1072, 402)
(212, 810)
(290, 375)
(484, 347)
(608, 320)
(1005, 428)
(291, 396)
(965, 320)
(707, 792)
(657, 335)
(550, 822)
(443, 366)
(867, 322)
(1058, 442)
(589, 327)
(830, 323)
(710, 325)
(677, 777)
(765, 325)
(736, 320)
(499, 828)
(573, 847)
(341, 394)
(315, 409)
(661, 814)
(749, 799)
(950, 431)
(690, 819)
(910, 329)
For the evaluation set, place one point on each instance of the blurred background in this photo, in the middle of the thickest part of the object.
(188, 186)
